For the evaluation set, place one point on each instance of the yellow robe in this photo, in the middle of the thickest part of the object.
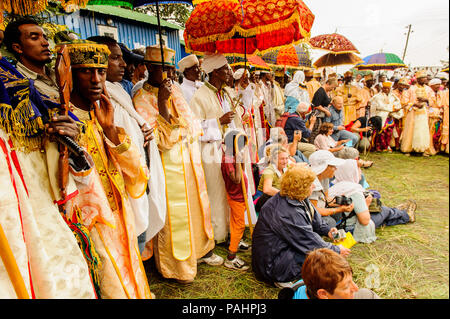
(416, 134)
(352, 104)
(444, 102)
(187, 234)
(106, 210)
(312, 86)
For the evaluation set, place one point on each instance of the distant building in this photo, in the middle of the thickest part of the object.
(134, 29)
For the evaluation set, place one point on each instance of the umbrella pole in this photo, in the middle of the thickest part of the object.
(160, 40)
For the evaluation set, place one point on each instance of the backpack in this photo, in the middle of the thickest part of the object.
(281, 122)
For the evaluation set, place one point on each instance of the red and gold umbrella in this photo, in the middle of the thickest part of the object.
(335, 43)
(247, 26)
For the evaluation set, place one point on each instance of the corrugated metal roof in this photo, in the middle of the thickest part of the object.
(131, 15)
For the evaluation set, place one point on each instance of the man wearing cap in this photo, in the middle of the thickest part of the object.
(258, 109)
(435, 115)
(367, 92)
(147, 218)
(312, 85)
(187, 237)
(131, 59)
(45, 249)
(245, 93)
(416, 132)
(387, 106)
(214, 106)
(190, 67)
(401, 92)
(352, 98)
(273, 98)
(104, 203)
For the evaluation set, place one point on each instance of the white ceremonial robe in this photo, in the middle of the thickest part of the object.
(188, 88)
(150, 209)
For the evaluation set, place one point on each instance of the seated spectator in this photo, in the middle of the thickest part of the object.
(299, 122)
(337, 119)
(327, 275)
(278, 136)
(360, 220)
(324, 141)
(363, 128)
(288, 228)
(324, 165)
(269, 183)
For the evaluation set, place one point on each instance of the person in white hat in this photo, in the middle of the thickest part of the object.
(323, 163)
(213, 105)
(190, 67)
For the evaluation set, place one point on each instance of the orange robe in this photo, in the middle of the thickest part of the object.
(351, 104)
(312, 86)
(106, 210)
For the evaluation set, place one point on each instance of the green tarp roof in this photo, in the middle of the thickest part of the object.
(130, 15)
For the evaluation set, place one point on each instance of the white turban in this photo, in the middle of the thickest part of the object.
(213, 62)
(239, 73)
(434, 81)
(187, 62)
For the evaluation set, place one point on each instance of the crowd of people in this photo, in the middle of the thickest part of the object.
(178, 158)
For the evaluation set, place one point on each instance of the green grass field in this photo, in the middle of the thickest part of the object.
(412, 260)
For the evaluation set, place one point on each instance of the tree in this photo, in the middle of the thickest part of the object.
(173, 13)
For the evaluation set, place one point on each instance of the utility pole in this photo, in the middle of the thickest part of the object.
(406, 45)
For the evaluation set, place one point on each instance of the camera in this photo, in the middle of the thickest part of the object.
(340, 234)
(343, 200)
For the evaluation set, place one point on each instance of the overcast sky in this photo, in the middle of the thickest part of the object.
(375, 25)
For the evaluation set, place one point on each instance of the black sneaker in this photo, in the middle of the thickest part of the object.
(243, 246)
(236, 263)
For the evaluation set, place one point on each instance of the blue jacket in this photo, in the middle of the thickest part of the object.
(283, 236)
(336, 118)
(296, 124)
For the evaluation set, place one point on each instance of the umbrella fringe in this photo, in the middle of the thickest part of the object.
(32, 7)
(247, 33)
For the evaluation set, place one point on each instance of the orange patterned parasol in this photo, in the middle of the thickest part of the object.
(246, 27)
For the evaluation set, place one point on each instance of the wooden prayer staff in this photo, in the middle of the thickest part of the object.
(244, 187)
(11, 267)
(64, 80)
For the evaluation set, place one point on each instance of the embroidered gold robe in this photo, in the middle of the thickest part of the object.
(106, 210)
(187, 234)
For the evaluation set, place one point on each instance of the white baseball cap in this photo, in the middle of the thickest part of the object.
(319, 161)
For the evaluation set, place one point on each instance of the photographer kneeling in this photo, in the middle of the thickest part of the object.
(323, 164)
(288, 228)
(346, 184)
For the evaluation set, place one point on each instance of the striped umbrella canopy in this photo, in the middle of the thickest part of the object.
(445, 70)
(381, 61)
(253, 61)
(296, 56)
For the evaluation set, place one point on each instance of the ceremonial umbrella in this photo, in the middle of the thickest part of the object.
(335, 43)
(445, 70)
(292, 56)
(246, 26)
(332, 59)
(381, 61)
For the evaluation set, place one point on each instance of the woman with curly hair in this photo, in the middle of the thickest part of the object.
(288, 228)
